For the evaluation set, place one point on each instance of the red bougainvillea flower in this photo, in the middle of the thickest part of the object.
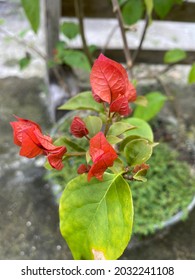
(27, 134)
(141, 167)
(102, 154)
(83, 168)
(78, 128)
(110, 83)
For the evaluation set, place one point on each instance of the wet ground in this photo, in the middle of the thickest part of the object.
(29, 226)
(28, 216)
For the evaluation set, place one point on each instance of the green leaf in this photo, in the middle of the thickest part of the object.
(132, 11)
(65, 141)
(96, 217)
(127, 140)
(138, 151)
(24, 62)
(119, 128)
(141, 100)
(92, 48)
(140, 175)
(113, 139)
(47, 165)
(76, 59)
(88, 157)
(23, 33)
(69, 29)
(162, 7)
(156, 102)
(149, 8)
(142, 129)
(2, 21)
(93, 124)
(191, 76)
(32, 11)
(82, 101)
(122, 2)
(174, 56)
(117, 167)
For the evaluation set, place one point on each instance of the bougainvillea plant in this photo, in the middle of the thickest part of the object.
(96, 207)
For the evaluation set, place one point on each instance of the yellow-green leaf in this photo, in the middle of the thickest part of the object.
(142, 129)
(32, 11)
(82, 101)
(191, 77)
(93, 124)
(138, 151)
(174, 55)
(96, 217)
(155, 102)
(119, 128)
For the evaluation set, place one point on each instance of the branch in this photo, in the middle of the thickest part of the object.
(38, 52)
(79, 14)
(117, 11)
(23, 42)
(136, 53)
(113, 30)
(128, 177)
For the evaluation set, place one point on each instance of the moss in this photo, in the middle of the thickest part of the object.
(169, 189)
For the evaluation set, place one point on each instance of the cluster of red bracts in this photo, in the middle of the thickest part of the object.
(28, 135)
(110, 84)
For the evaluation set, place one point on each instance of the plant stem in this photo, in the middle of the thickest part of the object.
(117, 11)
(128, 177)
(79, 14)
(113, 30)
(136, 53)
(23, 42)
(87, 137)
(76, 154)
(38, 52)
(107, 124)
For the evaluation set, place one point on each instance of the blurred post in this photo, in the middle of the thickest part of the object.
(51, 13)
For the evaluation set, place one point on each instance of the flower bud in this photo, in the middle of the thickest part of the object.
(78, 128)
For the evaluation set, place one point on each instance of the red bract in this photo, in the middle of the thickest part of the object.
(109, 82)
(78, 128)
(121, 106)
(102, 154)
(27, 134)
(83, 168)
(141, 167)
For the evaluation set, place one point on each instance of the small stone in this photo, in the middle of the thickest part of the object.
(28, 224)
(33, 248)
(22, 253)
(58, 247)
(9, 213)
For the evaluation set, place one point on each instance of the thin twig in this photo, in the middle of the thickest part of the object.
(110, 35)
(38, 52)
(159, 73)
(136, 53)
(79, 14)
(75, 154)
(127, 53)
(128, 177)
(60, 79)
(176, 108)
(23, 42)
